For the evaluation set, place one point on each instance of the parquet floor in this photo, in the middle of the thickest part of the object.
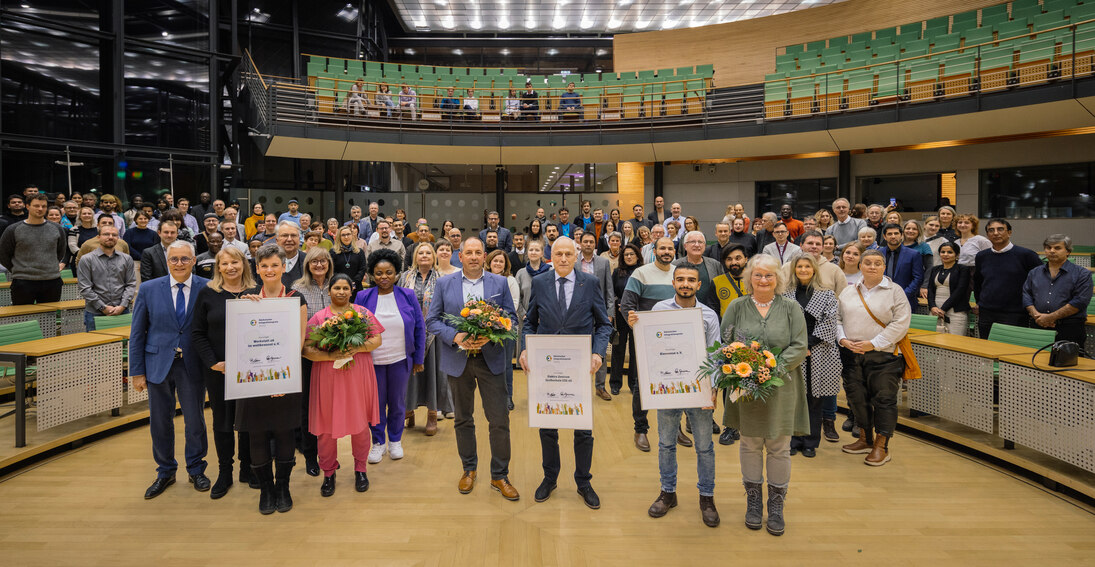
(929, 506)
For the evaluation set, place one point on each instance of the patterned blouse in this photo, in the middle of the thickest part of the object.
(423, 290)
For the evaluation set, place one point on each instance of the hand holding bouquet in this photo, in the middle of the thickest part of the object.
(482, 319)
(341, 333)
(747, 371)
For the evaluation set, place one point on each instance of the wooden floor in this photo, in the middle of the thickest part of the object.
(929, 506)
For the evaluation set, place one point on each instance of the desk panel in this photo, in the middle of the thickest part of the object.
(1049, 413)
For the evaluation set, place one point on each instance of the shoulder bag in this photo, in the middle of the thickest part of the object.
(912, 367)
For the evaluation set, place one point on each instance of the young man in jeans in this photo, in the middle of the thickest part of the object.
(32, 250)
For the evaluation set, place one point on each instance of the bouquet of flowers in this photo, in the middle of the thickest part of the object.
(750, 371)
(481, 318)
(341, 332)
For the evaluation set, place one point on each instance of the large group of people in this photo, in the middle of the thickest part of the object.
(834, 291)
(461, 104)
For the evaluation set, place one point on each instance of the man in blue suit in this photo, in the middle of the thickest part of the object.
(904, 266)
(162, 361)
(484, 369)
(568, 302)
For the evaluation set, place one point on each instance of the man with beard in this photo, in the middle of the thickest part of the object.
(550, 233)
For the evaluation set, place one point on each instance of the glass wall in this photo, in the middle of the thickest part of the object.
(805, 195)
(1038, 192)
(919, 192)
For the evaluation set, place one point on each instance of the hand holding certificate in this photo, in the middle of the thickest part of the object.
(670, 348)
(560, 391)
(261, 358)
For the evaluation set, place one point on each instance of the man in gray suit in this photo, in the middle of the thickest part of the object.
(590, 263)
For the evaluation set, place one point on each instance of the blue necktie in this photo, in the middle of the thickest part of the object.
(180, 304)
(562, 295)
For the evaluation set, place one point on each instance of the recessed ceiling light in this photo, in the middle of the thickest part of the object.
(458, 52)
(553, 51)
(505, 52)
(165, 34)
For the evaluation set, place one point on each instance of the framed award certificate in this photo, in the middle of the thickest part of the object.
(670, 346)
(262, 348)
(560, 386)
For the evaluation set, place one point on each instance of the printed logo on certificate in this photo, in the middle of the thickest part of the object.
(262, 348)
(560, 387)
(669, 346)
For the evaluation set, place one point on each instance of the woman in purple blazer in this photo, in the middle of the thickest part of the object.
(402, 349)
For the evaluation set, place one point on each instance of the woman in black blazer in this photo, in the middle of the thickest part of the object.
(949, 290)
(348, 258)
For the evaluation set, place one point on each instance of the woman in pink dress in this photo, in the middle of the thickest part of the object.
(343, 401)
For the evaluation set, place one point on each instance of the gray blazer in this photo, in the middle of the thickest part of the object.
(602, 270)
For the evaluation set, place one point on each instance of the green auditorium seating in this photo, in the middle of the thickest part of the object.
(815, 46)
(862, 37)
(916, 48)
(1091, 304)
(888, 84)
(798, 48)
(23, 331)
(775, 97)
(958, 70)
(923, 77)
(886, 33)
(964, 21)
(113, 321)
(978, 36)
(937, 26)
(67, 273)
(995, 67)
(1048, 20)
(910, 31)
(1021, 336)
(1011, 31)
(923, 322)
(946, 42)
(838, 41)
(860, 85)
(1034, 60)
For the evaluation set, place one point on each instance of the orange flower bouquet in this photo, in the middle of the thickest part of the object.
(480, 318)
(341, 332)
(747, 371)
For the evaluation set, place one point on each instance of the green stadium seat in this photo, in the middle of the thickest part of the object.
(923, 322)
(797, 48)
(815, 46)
(888, 80)
(775, 98)
(67, 273)
(855, 47)
(664, 73)
(995, 67)
(3, 277)
(987, 21)
(862, 38)
(978, 36)
(646, 76)
(937, 26)
(1051, 5)
(786, 67)
(1049, 20)
(830, 52)
(23, 331)
(1091, 304)
(885, 33)
(1021, 336)
(958, 70)
(1011, 31)
(916, 48)
(800, 73)
(946, 42)
(993, 11)
(923, 77)
(706, 71)
(964, 21)
(885, 52)
(838, 41)
(911, 31)
(1026, 13)
(802, 96)
(1034, 60)
(858, 92)
(113, 322)
(774, 77)
(1083, 13)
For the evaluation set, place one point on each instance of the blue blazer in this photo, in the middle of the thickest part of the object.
(586, 314)
(155, 333)
(448, 297)
(414, 328)
(908, 273)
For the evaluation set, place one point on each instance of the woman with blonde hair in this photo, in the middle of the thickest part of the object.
(777, 322)
(347, 256)
(824, 219)
(231, 279)
(430, 387)
(968, 239)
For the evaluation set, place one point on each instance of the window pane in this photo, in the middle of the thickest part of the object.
(805, 196)
(166, 101)
(919, 192)
(1038, 192)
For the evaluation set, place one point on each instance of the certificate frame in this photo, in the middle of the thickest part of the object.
(262, 347)
(670, 346)
(560, 395)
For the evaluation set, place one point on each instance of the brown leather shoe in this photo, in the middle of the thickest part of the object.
(410, 420)
(683, 439)
(880, 453)
(604, 395)
(641, 443)
(661, 506)
(431, 424)
(507, 490)
(467, 482)
(862, 445)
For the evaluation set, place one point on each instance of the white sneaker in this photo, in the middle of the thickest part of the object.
(395, 450)
(376, 454)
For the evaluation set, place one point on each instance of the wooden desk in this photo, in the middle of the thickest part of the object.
(1050, 412)
(122, 332)
(78, 375)
(71, 315)
(920, 333)
(46, 317)
(958, 381)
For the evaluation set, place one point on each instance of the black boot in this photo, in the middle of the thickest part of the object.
(246, 476)
(776, 496)
(224, 482)
(264, 474)
(754, 506)
(281, 485)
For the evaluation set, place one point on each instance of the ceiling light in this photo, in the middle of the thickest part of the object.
(602, 52)
(558, 23)
(613, 23)
(408, 51)
(25, 6)
(553, 51)
(349, 13)
(448, 22)
(476, 24)
(165, 34)
(458, 52)
(530, 24)
(505, 52)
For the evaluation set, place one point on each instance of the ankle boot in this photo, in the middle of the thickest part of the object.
(880, 452)
(708, 511)
(861, 445)
(754, 511)
(224, 482)
(247, 476)
(410, 419)
(281, 485)
(431, 424)
(264, 474)
(775, 509)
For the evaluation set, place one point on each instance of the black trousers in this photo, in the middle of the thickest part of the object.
(492, 391)
(260, 446)
(583, 455)
(871, 384)
(29, 292)
(813, 440)
(1069, 330)
(986, 317)
(627, 337)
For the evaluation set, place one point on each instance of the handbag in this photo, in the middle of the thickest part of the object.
(1062, 354)
(904, 346)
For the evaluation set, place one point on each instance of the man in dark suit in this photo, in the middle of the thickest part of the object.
(154, 258)
(505, 237)
(162, 361)
(577, 308)
(639, 220)
(903, 264)
(659, 214)
(289, 241)
(483, 369)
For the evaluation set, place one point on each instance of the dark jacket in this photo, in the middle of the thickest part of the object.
(959, 286)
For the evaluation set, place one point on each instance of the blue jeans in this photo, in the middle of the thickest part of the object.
(669, 421)
(89, 319)
(828, 407)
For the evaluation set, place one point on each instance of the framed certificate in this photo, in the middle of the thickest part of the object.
(560, 386)
(670, 346)
(262, 348)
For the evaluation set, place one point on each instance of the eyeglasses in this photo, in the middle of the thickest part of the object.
(764, 276)
(318, 262)
(179, 261)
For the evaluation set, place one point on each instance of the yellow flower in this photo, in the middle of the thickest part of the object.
(743, 369)
(754, 345)
(348, 314)
(727, 369)
(767, 354)
(771, 362)
(476, 311)
(736, 345)
(464, 312)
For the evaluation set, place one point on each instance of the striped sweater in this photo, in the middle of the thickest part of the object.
(647, 285)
